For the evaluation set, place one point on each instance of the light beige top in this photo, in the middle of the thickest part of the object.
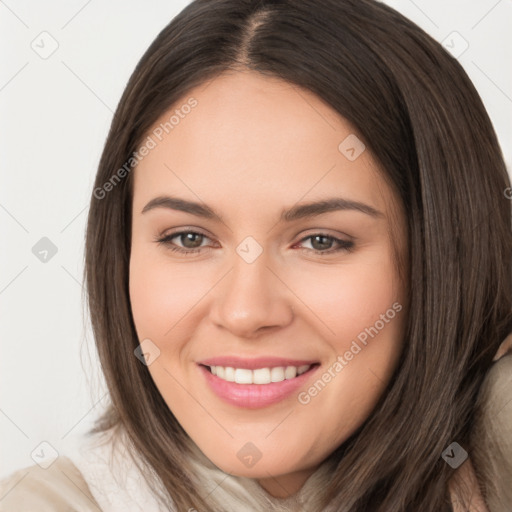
(60, 488)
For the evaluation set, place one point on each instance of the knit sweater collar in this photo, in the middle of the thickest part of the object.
(117, 484)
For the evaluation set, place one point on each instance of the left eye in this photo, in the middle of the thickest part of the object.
(323, 244)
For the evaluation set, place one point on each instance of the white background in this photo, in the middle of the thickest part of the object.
(54, 118)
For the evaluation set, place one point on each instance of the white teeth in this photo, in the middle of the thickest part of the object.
(260, 375)
(229, 374)
(290, 372)
(277, 374)
(243, 376)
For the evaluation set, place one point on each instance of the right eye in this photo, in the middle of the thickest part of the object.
(191, 241)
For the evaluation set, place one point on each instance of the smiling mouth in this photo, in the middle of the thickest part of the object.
(266, 375)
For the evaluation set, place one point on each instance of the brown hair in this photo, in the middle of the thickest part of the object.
(423, 120)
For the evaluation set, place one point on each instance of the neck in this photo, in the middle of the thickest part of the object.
(284, 486)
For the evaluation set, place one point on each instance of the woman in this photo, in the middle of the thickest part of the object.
(298, 271)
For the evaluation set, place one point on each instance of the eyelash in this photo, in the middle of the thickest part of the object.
(344, 245)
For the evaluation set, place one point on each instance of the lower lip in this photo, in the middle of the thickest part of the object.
(254, 396)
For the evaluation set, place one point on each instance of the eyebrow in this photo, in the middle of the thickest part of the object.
(297, 212)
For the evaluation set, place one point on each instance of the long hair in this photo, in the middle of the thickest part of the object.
(423, 120)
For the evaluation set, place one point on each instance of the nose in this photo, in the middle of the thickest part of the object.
(251, 299)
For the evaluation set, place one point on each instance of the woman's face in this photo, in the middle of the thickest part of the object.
(272, 314)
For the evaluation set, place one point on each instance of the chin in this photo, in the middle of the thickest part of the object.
(264, 467)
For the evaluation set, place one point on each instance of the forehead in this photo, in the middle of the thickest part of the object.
(255, 139)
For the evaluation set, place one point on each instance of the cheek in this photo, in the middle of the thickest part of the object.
(359, 309)
(161, 294)
(350, 298)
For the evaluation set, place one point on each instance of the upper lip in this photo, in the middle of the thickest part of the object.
(254, 363)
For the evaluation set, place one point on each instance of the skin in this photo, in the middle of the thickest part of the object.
(253, 146)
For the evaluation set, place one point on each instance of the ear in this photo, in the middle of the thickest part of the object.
(506, 346)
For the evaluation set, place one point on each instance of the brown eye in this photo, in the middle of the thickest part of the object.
(190, 240)
(321, 242)
(325, 244)
(185, 242)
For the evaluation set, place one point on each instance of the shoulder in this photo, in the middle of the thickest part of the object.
(491, 440)
(59, 488)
